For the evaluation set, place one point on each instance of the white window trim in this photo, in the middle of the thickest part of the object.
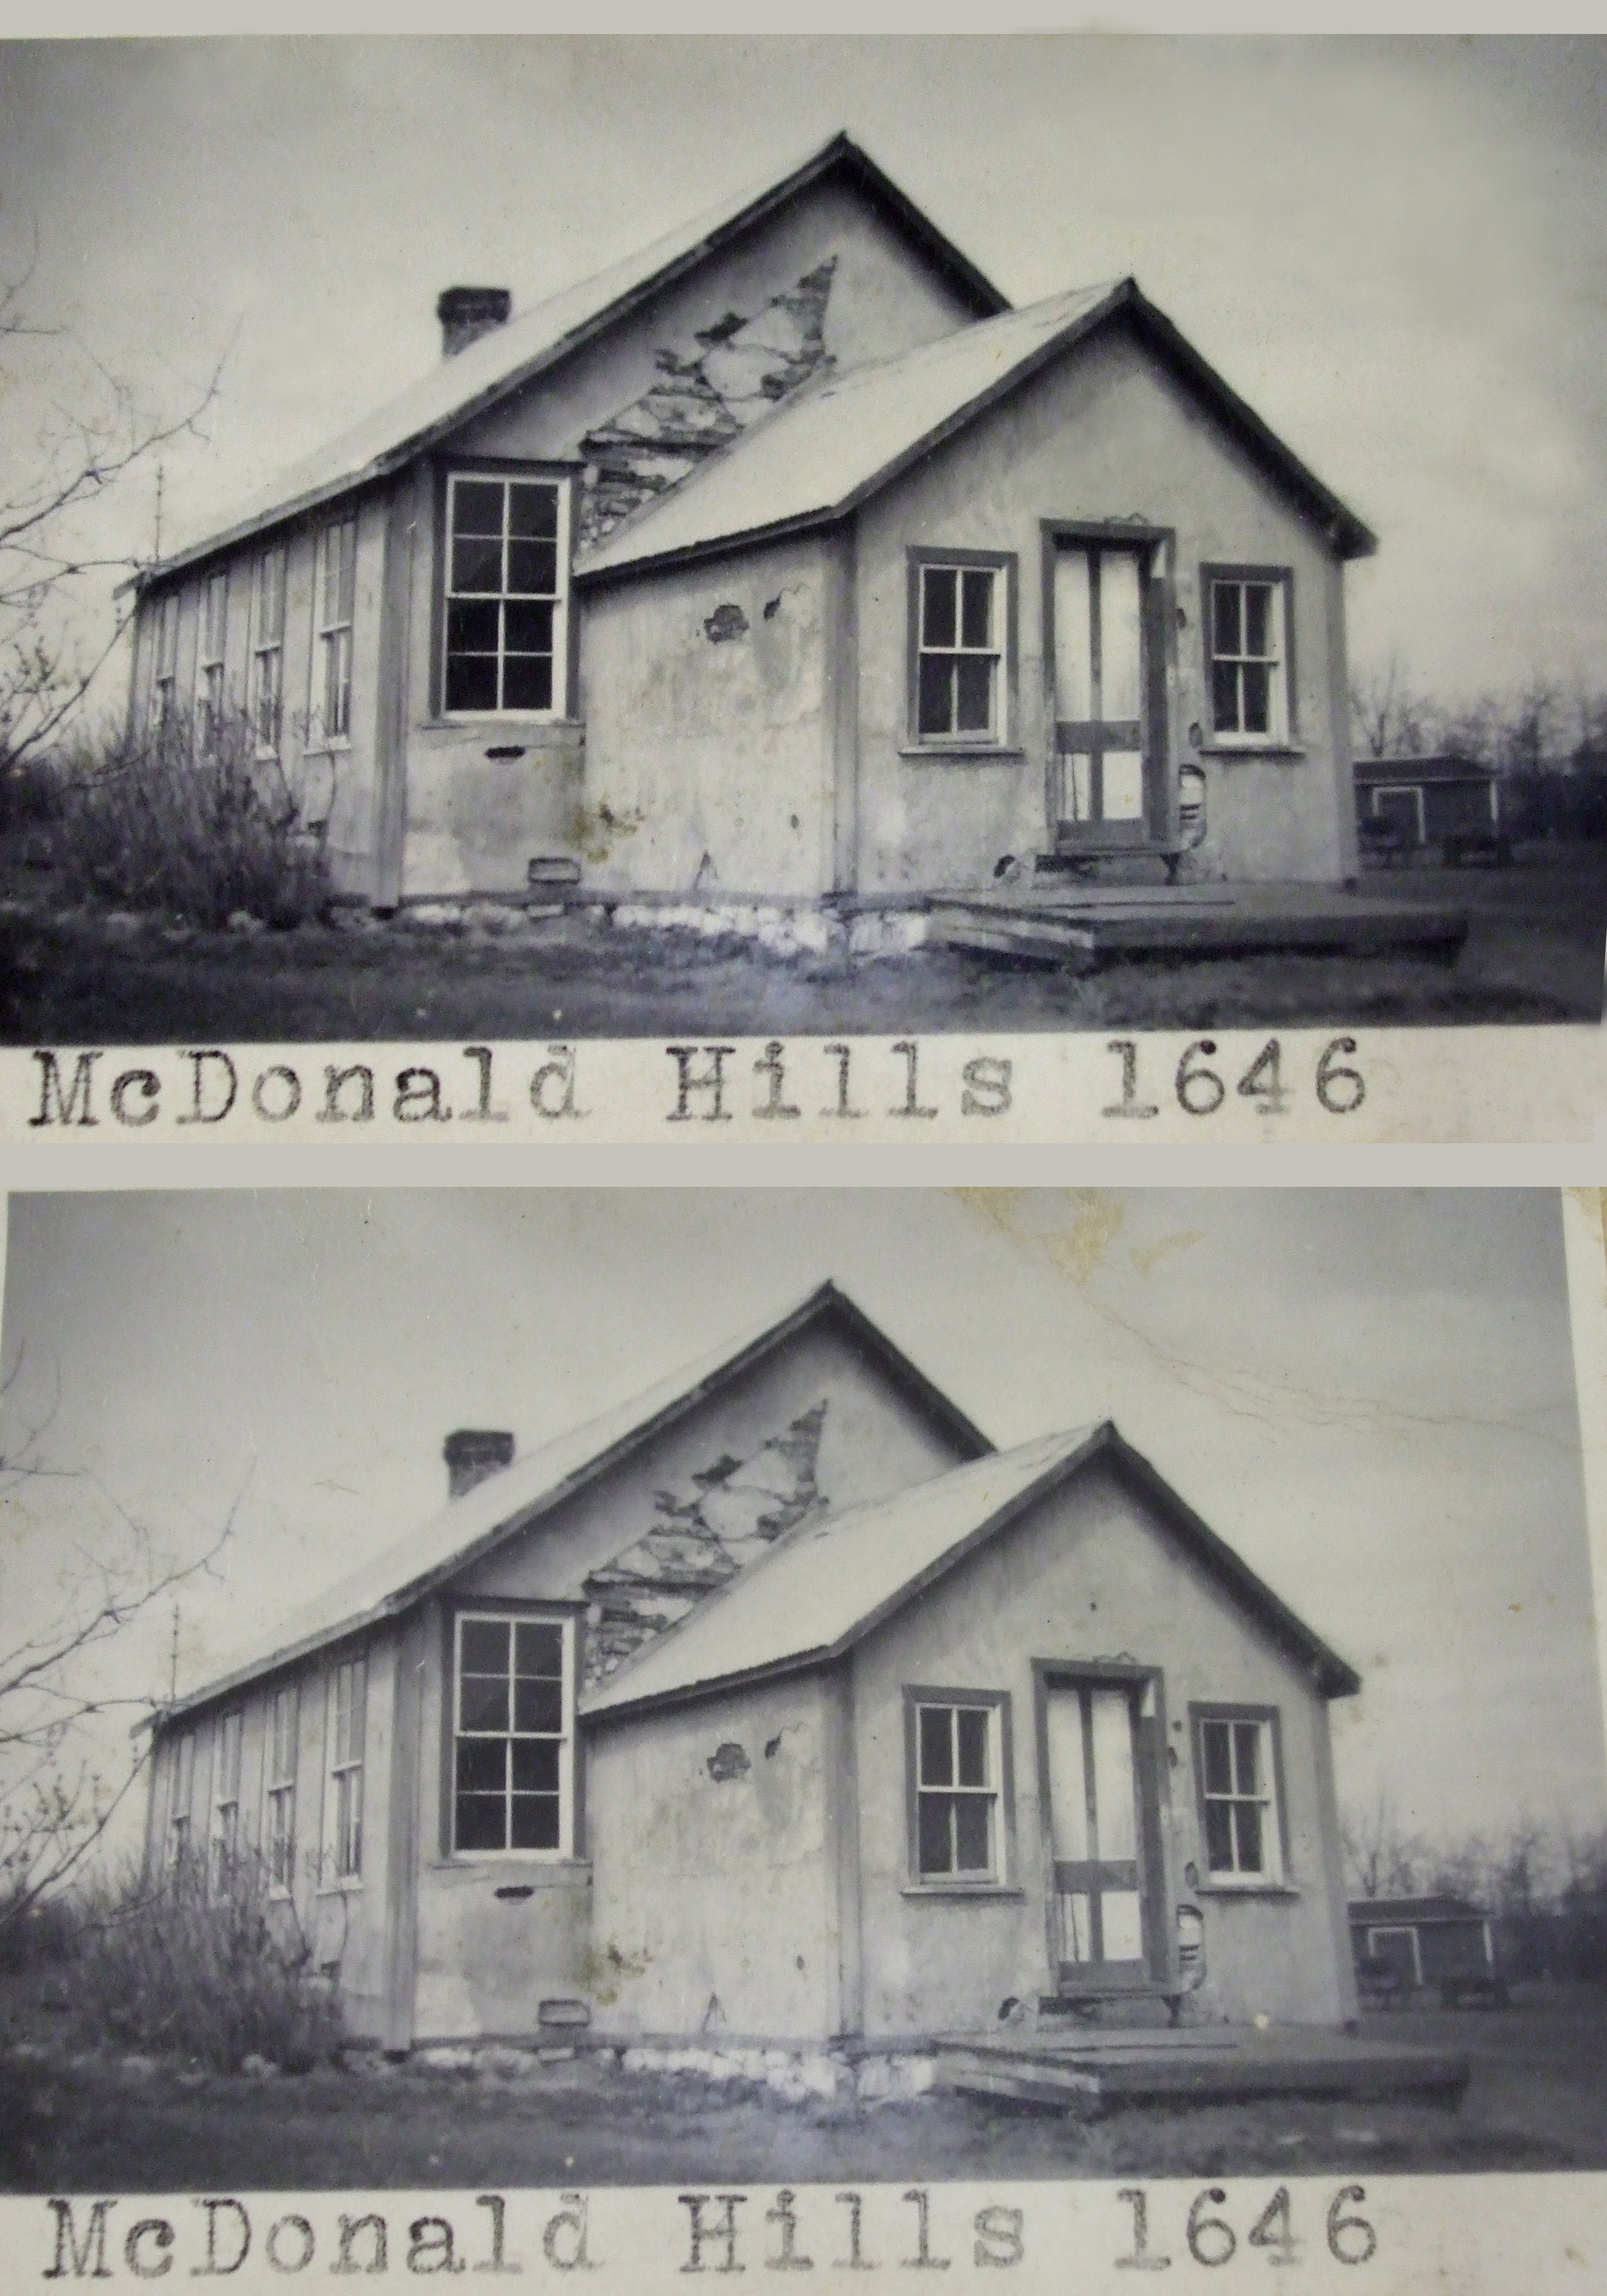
(211, 667)
(181, 1805)
(331, 1878)
(568, 1752)
(1279, 734)
(320, 741)
(164, 659)
(276, 1786)
(559, 712)
(1273, 1874)
(1406, 1930)
(268, 649)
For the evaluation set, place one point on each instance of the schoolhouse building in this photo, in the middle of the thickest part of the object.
(785, 560)
(778, 1702)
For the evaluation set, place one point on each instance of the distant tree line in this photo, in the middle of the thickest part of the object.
(1543, 1884)
(1545, 739)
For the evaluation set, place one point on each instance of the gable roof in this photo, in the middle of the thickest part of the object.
(503, 360)
(508, 1502)
(827, 1585)
(831, 446)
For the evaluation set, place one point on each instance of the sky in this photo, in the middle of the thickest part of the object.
(1396, 249)
(1368, 1393)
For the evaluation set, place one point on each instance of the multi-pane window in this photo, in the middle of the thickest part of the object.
(182, 1776)
(281, 1829)
(1237, 1797)
(226, 1797)
(511, 1737)
(213, 638)
(164, 675)
(506, 579)
(958, 649)
(956, 1793)
(268, 649)
(1249, 681)
(348, 1712)
(335, 589)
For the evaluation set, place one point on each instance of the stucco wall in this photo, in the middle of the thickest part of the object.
(1088, 1574)
(874, 1439)
(708, 759)
(715, 1893)
(1106, 434)
(883, 300)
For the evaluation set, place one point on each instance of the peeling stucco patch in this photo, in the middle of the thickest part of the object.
(702, 1535)
(728, 1761)
(707, 394)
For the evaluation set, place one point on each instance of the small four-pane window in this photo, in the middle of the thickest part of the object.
(958, 652)
(956, 1793)
(1247, 662)
(506, 585)
(1238, 1798)
(513, 1699)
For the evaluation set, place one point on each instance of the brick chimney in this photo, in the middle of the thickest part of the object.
(473, 1452)
(467, 313)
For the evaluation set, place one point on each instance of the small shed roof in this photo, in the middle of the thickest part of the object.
(834, 443)
(1411, 1913)
(1444, 767)
(826, 1585)
(508, 356)
(536, 1481)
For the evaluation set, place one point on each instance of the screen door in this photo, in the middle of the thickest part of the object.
(1096, 1828)
(1105, 739)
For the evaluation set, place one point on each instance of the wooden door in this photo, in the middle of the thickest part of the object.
(1103, 1920)
(1108, 767)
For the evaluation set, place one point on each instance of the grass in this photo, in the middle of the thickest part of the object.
(78, 2121)
(1534, 955)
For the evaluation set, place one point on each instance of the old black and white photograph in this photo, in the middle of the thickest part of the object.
(569, 1689)
(832, 535)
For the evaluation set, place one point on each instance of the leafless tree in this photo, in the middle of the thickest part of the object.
(55, 1803)
(1391, 719)
(1383, 1861)
(92, 437)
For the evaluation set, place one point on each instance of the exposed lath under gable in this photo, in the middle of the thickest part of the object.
(704, 399)
(728, 1514)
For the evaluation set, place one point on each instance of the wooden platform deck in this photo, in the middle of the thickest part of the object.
(1217, 2064)
(1084, 925)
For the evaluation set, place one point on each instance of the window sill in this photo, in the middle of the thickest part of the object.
(336, 749)
(534, 1862)
(970, 753)
(1246, 1889)
(349, 1886)
(988, 1891)
(1228, 751)
(476, 721)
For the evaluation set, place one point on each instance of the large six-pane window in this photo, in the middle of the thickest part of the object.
(511, 1736)
(956, 1793)
(958, 651)
(505, 587)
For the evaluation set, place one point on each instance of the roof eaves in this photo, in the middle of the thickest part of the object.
(839, 148)
(1349, 536)
(845, 504)
(829, 1654)
(1330, 1672)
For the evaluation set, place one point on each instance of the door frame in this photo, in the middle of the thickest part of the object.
(1158, 831)
(1150, 1768)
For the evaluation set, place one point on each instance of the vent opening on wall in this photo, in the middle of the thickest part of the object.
(552, 869)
